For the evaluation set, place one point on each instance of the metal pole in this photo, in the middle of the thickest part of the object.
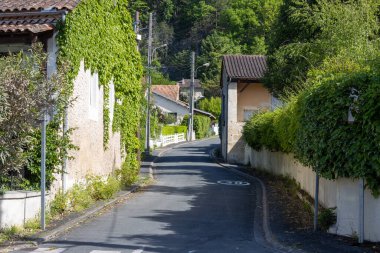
(191, 115)
(150, 41)
(43, 170)
(316, 202)
(64, 166)
(361, 211)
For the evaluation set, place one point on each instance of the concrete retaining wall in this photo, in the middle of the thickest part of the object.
(342, 193)
(16, 207)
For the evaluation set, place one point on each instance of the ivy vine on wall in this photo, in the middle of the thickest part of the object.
(100, 33)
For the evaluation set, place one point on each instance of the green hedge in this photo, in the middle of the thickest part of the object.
(170, 130)
(314, 125)
(201, 126)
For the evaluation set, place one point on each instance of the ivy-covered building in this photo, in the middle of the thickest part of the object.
(96, 40)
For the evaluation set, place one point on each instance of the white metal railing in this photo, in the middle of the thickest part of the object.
(166, 140)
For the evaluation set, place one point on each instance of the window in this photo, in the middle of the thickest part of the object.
(93, 93)
(248, 113)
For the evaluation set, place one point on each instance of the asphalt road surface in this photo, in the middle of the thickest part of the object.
(194, 206)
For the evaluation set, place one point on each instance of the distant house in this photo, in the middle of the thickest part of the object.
(184, 88)
(243, 94)
(166, 97)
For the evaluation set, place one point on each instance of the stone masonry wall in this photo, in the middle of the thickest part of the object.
(86, 116)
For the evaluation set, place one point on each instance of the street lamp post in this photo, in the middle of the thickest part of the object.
(191, 113)
(150, 59)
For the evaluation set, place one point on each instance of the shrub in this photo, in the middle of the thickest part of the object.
(259, 131)
(101, 189)
(128, 174)
(25, 93)
(212, 105)
(170, 130)
(314, 124)
(201, 126)
(80, 199)
(326, 218)
(60, 204)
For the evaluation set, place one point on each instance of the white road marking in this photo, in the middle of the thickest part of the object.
(236, 183)
(103, 251)
(138, 251)
(50, 250)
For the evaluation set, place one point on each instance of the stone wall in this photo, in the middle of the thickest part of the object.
(342, 193)
(86, 117)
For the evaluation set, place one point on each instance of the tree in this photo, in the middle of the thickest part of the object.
(212, 105)
(25, 93)
(213, 48)
(307, 33)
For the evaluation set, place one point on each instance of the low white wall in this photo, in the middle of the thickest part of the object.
(16, 207)
(342, 193)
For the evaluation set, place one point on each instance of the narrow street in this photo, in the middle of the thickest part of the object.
(189, 209)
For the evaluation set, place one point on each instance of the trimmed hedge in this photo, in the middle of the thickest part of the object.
(314, 125)
(201, 126)
(170, 130)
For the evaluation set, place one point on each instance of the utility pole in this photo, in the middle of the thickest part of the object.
(43, 169)
(191, 114)
(150, 42)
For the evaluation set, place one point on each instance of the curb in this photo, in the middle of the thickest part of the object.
(41, 237)
(269, 236)
(35, 240)
(44, 236)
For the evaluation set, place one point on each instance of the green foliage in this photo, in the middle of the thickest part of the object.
(212, 28)
(170, 130)
(25, 93)
(202, 126)
(128, 175)
(212, 105)
(314, 124)
(79, 198)
(100, 33)
(60, 204)
(57, 147)
(259, 131)
(308, 32)
(326, 218)
(101, 189)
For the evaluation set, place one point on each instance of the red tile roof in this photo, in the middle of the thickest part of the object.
(36, 5)
(35, 23)
(245, 66)
(169, 91)
(33, 16)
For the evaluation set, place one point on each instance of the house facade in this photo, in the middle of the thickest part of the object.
(166, 97)
(23, 23)
(184, 89)
(243, 95)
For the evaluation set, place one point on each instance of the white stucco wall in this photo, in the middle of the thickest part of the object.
(16, 207)
(342, 193)
(168, 106)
